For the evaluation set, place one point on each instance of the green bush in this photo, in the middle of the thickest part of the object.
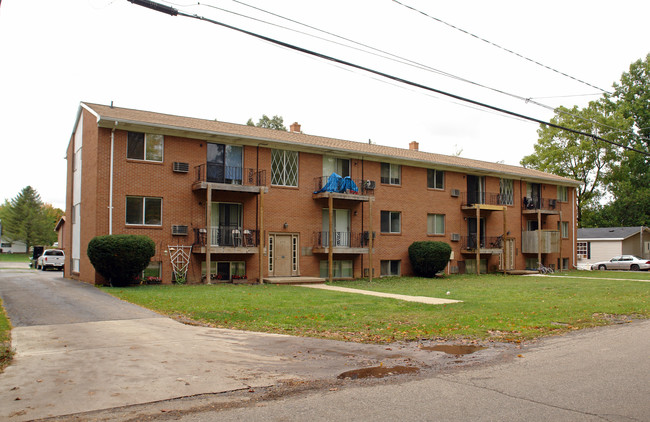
(120, 258)
(428, 258)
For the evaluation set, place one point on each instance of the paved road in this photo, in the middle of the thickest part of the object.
(79, 350)
(595, 375)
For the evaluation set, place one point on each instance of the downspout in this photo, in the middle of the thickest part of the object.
(110, 189)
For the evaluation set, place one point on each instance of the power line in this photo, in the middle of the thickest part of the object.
(500, 47)
(174, 12)
(399, 59)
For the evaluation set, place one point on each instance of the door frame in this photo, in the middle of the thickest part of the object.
(295, 253)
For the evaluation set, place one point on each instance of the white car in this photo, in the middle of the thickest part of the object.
(51, 258)
(623, 262)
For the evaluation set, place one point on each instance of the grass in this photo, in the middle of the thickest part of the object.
(496, 307)
(14, 257)
(6, 352)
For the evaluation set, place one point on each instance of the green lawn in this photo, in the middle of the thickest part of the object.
(14, 257)
(6, 352)
(508, 308)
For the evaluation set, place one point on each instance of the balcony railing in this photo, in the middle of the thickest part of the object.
(214, 173)
(529, 203)
(228, 235)
(485, 198)
(550, 241)
(486, 242)
(365, 187)
(341, 240)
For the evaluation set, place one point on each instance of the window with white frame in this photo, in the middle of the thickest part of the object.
(435, 224)
(506, 193)
(390, 173)
(390, 267)
(284, 168)
(391, 221)
(144, 146)
(582, 250)
(563, 194)
(435, 179)
(144, 211)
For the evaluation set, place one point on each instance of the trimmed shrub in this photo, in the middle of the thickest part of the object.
(120, 258)
(428, 258)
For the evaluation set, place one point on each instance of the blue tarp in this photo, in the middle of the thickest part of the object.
(336, 183)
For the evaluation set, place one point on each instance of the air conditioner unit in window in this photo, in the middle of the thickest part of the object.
(179, 230)
(181, 167)
(455, 237)
(455, 193)
(369, 185)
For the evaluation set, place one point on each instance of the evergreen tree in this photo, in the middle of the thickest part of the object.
(26, 221)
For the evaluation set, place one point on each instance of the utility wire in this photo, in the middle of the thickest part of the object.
(399, 59)
(174, 12)
(500, 47)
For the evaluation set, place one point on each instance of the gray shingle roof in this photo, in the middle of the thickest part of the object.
(613, 233)
(108, 116)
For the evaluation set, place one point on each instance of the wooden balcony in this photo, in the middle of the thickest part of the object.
(232, 179)
(483, 200)
(365, 189)
(342, 243)
(550, 241)
(226, 240)
(540, 205)
(491, 245)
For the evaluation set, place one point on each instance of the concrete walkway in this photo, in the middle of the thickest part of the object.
(419, 299)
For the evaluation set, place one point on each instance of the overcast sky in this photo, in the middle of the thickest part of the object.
(54, 54)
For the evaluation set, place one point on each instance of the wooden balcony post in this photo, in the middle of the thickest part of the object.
(330, 250)
(208, 237)
(539, 237)
(260, 240)
(478, 239)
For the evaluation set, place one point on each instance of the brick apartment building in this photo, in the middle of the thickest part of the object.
(248, 202)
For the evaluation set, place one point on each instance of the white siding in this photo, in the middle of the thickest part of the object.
(76, 196)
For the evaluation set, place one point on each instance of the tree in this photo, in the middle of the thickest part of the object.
(25, 220)
(576, 156)
(276, 123)
(629, 180)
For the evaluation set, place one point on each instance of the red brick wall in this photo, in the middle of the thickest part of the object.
(294, 206)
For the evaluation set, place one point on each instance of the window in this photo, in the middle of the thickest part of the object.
(390, 173)
(284, 168)
(340, 166)
(143, 211)
(340, 269)
(389, 268)
(435, 224)
(506, 193)
(225, 270)
(435, 179)
(390, 222)
(470, 266)
(563, 227)
(563, 194)
(582, 249)
(152, 270)
(144, 146)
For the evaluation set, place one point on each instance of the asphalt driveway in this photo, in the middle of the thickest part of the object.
(79, 349)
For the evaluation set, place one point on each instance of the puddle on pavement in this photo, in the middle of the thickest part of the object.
(378, 372)
(451, 349)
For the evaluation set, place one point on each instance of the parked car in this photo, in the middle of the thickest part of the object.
(51, 258)
(623, 262)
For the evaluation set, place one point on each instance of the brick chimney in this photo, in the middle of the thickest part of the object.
(295, 127)
(414, 146)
